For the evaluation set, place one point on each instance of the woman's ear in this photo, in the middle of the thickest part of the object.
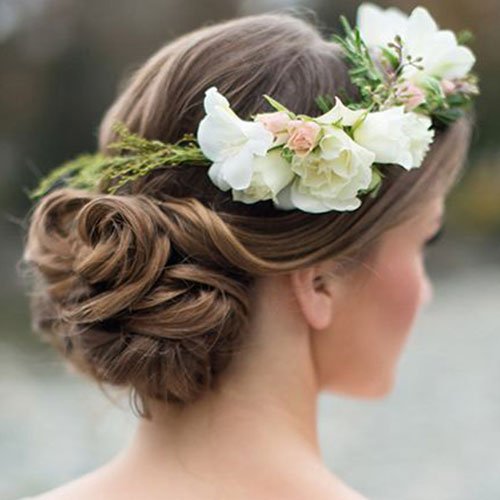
(314, 294)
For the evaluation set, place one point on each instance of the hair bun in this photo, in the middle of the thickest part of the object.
(124, 249)
(135, 291)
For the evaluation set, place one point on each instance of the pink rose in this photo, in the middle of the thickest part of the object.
(303, 136)
(411, 94)
(274, 122)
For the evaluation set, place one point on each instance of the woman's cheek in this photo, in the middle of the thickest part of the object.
(404, 288)
(427, 292)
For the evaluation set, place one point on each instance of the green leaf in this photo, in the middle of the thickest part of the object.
(276, 105)
(324, 103)
(287, 154)
(363, 72)
(447, 116)
(465, 37)
(391, 57)
(346, 26)
(376, 182)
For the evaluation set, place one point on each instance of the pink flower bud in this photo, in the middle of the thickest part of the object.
(411, 94)
(275, 122)
(448, 86)
(303, 136)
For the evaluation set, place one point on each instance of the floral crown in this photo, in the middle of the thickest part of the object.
(412, 78)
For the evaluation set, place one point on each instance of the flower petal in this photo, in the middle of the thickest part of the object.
(259, 138)
(214, 100)
(215, 175)
(283, 199)
(348, 116)
(421, 22)
(309, 203)
(382, 133)
(275, 170)
(237, 170)
(379, 26)
(217, 140)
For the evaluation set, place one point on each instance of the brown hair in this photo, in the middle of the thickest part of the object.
(149, 288)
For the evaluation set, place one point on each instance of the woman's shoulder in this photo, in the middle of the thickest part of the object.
(68, 491)
(80, 488)
(55, 494)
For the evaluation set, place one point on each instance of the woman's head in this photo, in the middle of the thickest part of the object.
(151, 288)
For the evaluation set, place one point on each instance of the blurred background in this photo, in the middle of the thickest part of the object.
(437, 436)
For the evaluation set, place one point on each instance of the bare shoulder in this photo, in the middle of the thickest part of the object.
(319, 483)
(76, 490)
(329, 486)
(339, 492)
(96, 485)
(110, 483)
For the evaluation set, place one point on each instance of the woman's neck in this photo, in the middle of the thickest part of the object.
(256, 432)
(266, 406)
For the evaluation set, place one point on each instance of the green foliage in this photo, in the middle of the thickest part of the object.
(74, 168)
(448, 108)
(363, 72)
(287, 154)
(135, 157)
(324, 103)
(391, 57)
(465, 37)
(277, 106)
(375, 183)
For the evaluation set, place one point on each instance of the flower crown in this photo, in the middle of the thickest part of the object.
(412, 78)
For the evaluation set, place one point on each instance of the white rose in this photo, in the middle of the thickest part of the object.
(230, 142)
(396, 136)
(442, 57)
(271, 173)
(329, 179)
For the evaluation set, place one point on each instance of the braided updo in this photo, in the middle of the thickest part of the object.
(150, 288)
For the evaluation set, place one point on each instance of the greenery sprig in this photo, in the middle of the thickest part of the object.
(364, 74)
(134, 157)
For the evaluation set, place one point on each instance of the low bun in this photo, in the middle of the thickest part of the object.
(136, 293)
(123, 249)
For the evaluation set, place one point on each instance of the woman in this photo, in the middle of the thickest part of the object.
(225, 319)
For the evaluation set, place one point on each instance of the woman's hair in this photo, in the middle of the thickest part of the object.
(149, 289)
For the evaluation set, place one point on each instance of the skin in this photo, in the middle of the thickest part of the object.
(256, 436)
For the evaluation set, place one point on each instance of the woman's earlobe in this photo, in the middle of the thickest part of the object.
(314, 297)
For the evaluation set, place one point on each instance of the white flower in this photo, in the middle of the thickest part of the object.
(442, 57)
(329, 179)
(378, 26)
(230, 142)
(271, 174)
(348, 116)
(396, 136)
